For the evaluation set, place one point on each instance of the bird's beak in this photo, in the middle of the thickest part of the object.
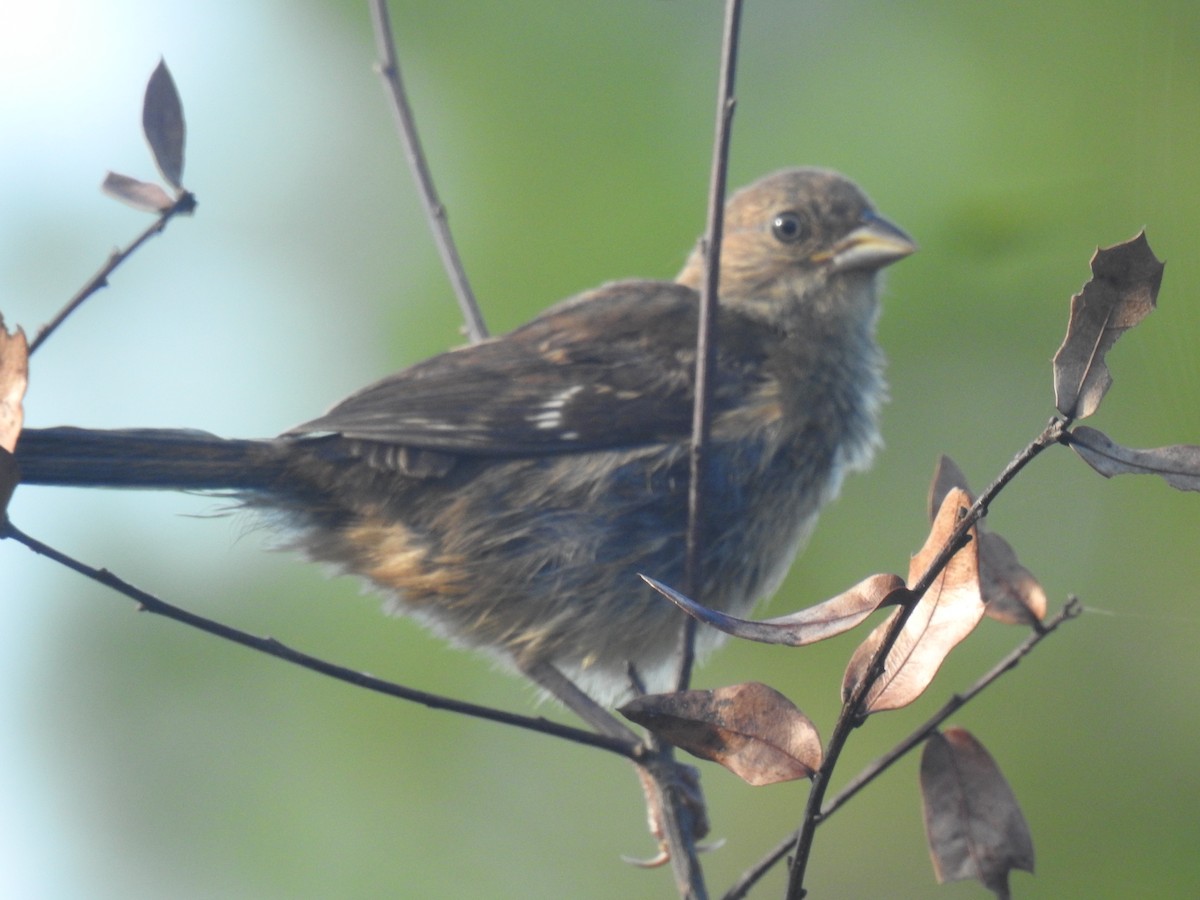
(874, 244)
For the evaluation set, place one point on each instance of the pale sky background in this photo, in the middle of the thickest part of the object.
(73, 73)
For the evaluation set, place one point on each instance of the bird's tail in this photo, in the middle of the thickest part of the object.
(162, 458)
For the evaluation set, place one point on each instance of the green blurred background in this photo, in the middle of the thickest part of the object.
(570, 141)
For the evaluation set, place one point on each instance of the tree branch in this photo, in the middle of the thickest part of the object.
(851, 715)
(184, 204)
(435, 212)
(152, 604)
(706, 336)
(1071, 609)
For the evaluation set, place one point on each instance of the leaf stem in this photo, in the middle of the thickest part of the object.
(184, 204)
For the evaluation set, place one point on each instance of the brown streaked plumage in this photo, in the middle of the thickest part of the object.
(508, 493)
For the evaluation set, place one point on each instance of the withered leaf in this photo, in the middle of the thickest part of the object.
(1012, 594)
(1121, 292)
(946, 477)
(1178, 464)
(750, 729)
(973, 823)
(948, 612)
(14, 375)
(162, 122)
(816, 623)
(143, 195)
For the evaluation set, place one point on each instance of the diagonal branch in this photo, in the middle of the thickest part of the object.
(435, 212)
(184, 204)
(149, 603)
(1071, 610)
(851, 715)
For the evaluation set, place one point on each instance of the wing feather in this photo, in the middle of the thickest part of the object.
(597, 371)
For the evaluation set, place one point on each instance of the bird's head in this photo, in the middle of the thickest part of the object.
(790, 233)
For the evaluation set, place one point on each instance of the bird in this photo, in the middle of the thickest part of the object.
(509, 493)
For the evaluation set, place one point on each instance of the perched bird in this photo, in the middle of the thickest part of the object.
(509, 493)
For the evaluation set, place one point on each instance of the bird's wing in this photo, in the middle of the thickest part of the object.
(612, 367)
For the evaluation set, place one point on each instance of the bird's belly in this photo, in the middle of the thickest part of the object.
(539, 559)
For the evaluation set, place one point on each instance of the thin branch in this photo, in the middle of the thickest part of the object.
(849, 719)
(677, 821)
(677, 809)
(184, 204)
(1071, 609)
(389, 70)
(851, 715)
(706, 337)
(149, 603)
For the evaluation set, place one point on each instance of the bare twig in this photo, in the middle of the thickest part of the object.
(1071, 609)
(851, 715)
(389, 70)
(706, 337)
(184, 204)
(149, 603)
(670, 813)
(677, 820)
(751, 876)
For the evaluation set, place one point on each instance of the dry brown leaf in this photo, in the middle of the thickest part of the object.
(1121, 292)
(143, 195)
(815, 623)
(1010, 591)
(14, 375)
(162, 122)
(1012, 594)
(973, 823)
(750, 729)
(1178, 464)
(948, 612)
(946, 477)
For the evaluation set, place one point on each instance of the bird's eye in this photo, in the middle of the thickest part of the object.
(790, 228)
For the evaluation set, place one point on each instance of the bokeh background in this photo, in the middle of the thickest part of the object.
(570, 141)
